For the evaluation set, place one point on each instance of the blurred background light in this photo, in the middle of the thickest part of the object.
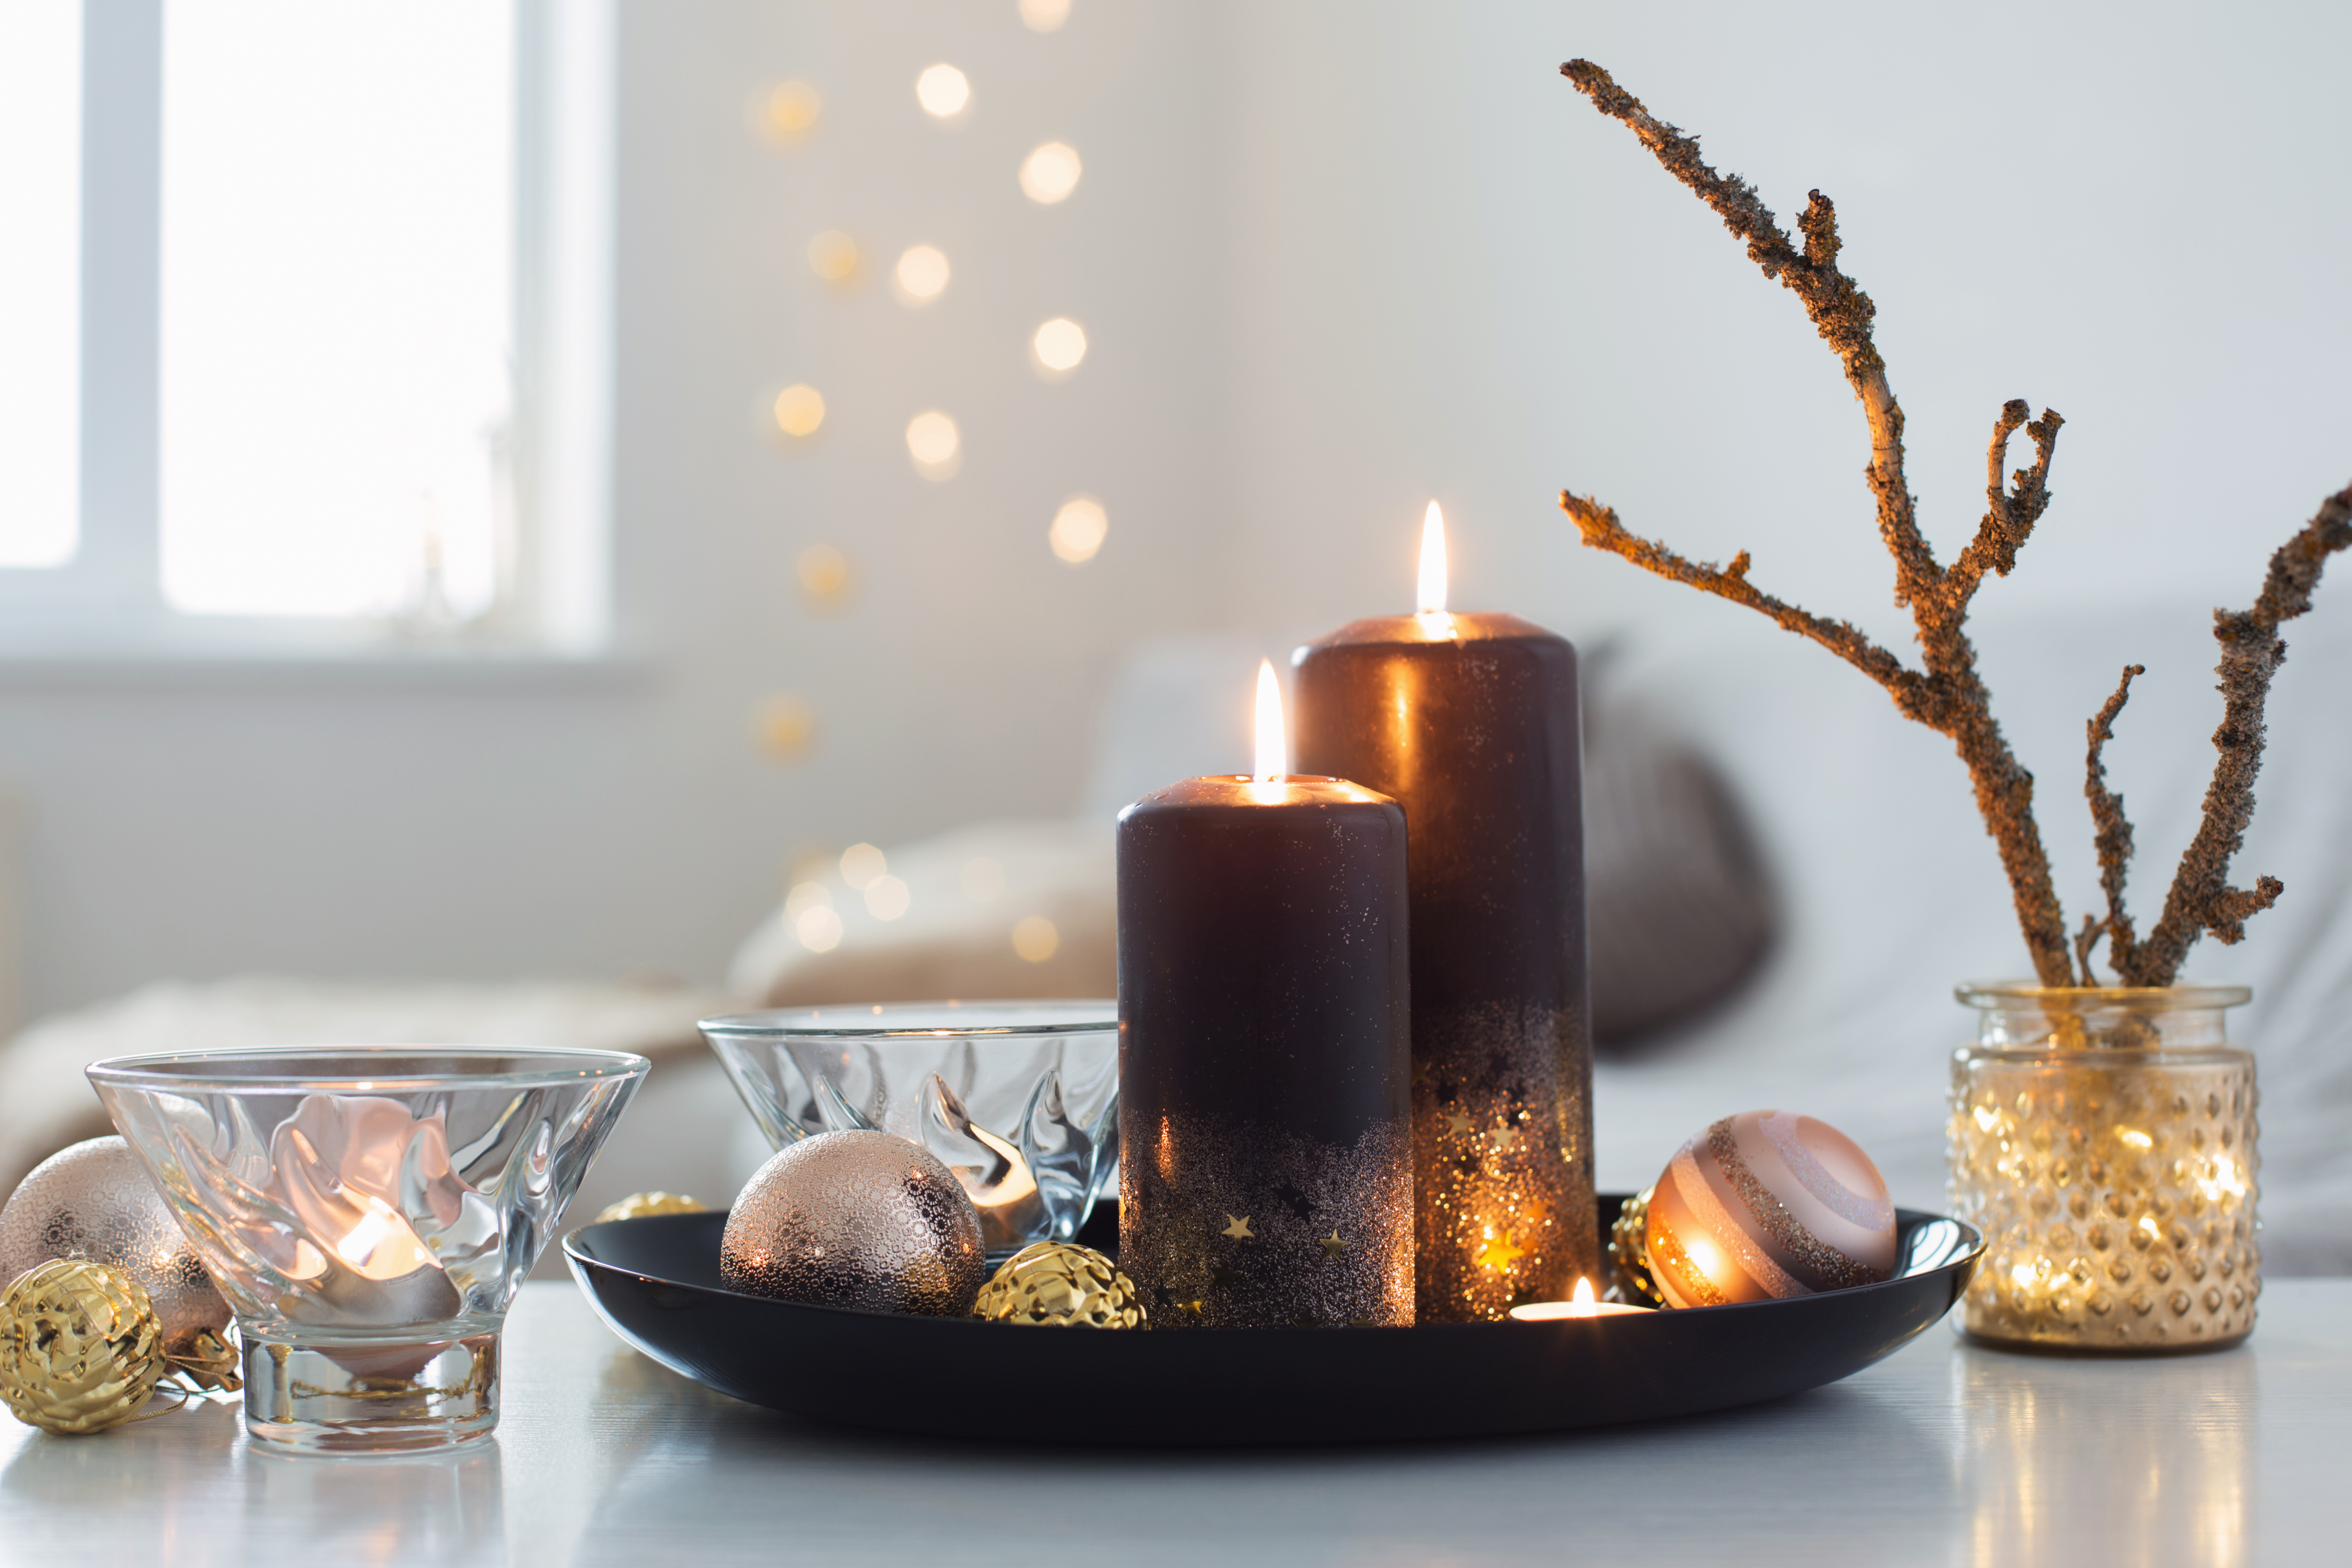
(800, 409)
(804, 896)
(833, 256)
(935, 445)
(824, 573)
(790, 113)
(1058, 346)
(943, 91)
(921, 275)
(1078, 529)
(1050, 173)
(1045, 15)
(819, 929)
(861, 863)
(1035, 939)
(887, 898)
(785, 727)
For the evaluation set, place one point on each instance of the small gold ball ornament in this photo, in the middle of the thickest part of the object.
(641, 1205)
(80, 1347)
(1058, 1284)
(1629, 1259)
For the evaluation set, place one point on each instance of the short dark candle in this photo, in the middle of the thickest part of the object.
(1470, 723)
(1264, 1055)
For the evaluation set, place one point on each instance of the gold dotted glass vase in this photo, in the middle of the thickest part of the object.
(2104, 1142)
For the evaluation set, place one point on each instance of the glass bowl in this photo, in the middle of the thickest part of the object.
(368, 1213)
(1019, 1100)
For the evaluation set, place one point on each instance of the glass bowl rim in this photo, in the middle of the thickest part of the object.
(183, 1071)
(2007, 994)
(869, 1021)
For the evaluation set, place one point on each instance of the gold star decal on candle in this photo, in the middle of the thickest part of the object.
(1500, 1251)
(1332, 1247)
(1239, 1229)
(1456, 1122)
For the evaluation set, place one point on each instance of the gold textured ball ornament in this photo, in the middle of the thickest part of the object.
(857, 1219)
(1058, 1284)
(96, 1200)
(80, 1348)
(1767, 1205)
(642, 1206)
(1629, 1259)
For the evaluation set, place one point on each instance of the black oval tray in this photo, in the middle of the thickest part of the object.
(655, 1281)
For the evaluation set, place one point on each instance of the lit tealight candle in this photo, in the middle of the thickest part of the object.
(1581, 1305)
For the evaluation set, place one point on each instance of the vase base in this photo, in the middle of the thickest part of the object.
(2093, 1351)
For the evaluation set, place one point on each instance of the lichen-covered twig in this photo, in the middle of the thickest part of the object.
(2202, 900)
(1947, 694)
(2112, 836)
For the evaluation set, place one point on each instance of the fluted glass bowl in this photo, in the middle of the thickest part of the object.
(1019, 1100)
(368, 1213)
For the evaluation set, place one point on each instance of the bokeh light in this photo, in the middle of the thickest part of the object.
(785, 727)
(800, 409)
(790, 113)
(1078, 529)
(1035, 939)
(833, 256)
(921, 275)
(804, 896)
(1058, 346)
(1045, 15)
(819, 929)
(943, 91)
(823, 572)
(935, 445)
(1050, 173)
(887, 898)
(861, 864)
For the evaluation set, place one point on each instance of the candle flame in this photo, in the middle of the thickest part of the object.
(1273, 746)
(1579, 1302)
(1431, 600)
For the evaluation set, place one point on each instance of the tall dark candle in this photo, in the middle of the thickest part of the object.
(1470, 723)
(1264, 1119)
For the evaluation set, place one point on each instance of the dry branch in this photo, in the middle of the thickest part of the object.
(1947, 694)
(2112, 836)
(2202, 900)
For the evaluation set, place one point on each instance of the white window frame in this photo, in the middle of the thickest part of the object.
(107, 603)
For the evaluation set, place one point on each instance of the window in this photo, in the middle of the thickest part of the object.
(40, 280)
(307, 288)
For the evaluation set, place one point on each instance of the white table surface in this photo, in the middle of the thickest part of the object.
(1943, 1454)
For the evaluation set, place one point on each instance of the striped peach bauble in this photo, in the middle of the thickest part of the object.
(1765, 1205)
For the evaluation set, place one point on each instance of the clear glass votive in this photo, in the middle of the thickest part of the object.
(1019, 1100)
(2104, 1139)
(369, 1212)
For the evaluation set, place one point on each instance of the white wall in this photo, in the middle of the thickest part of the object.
(1333, 258)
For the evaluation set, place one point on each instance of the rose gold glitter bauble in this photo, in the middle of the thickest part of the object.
(79, 1350)
(96, 1200)
(862, 1220)
(1058, 1284)
(1768, 1204)
(642, 1206)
